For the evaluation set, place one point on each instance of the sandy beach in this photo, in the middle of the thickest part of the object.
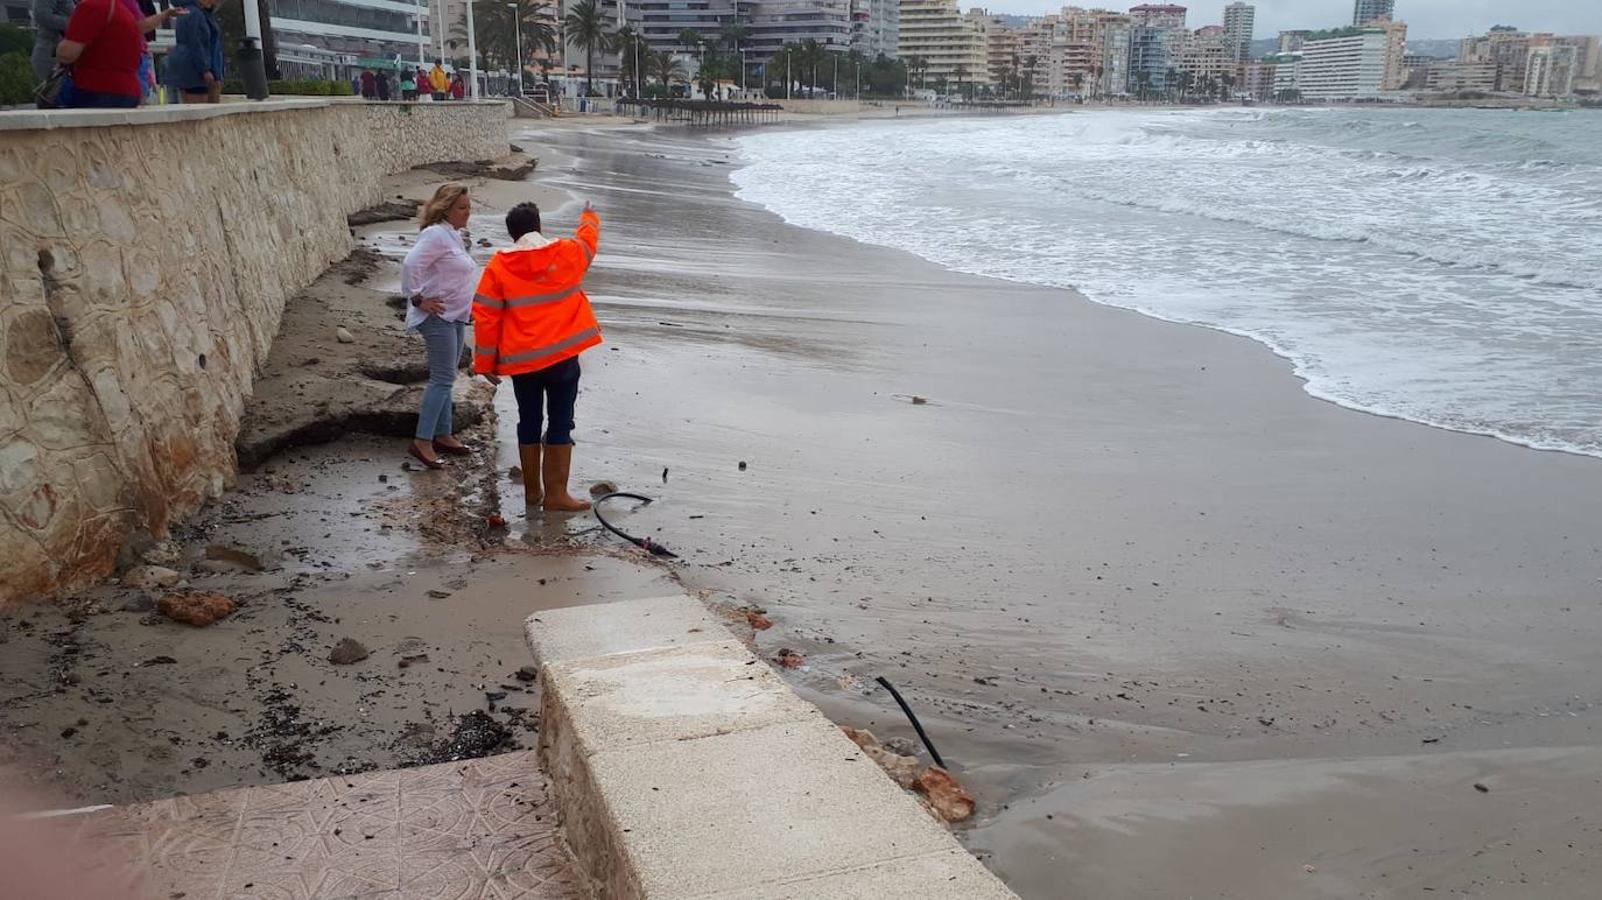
(1186, 630)
(1183, 629)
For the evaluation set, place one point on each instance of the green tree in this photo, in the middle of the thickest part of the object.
(632, 54)
(15, 40)
(16, 79)
(499, 27)
(586, 27)
(961, 71)
(666, 69)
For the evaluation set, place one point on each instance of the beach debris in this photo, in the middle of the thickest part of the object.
(150, 578)
(1309, 868)
(347, 651)
(664, 474)
(164, 553)
(742, 465)
(233, 556)
(438, 594)
(905, 746)
(903, 770)
(602, 488)
(790, 659)
(945, 794)
(919, 401)
(494, 696)
(756, 619)
(496, 520)
(159, 661)
(476, 735)
(343, 335)
(527, 673)
(197, 609)
(515, 473)
(407, 662)
(1481, 788)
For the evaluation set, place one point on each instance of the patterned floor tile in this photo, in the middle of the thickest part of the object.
(482, 829)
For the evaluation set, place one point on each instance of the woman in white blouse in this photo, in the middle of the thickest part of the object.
(439, 277)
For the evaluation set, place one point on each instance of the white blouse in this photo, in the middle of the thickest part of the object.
(439, 266)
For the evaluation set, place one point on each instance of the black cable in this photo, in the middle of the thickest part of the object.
(643, 543)
(918, 726)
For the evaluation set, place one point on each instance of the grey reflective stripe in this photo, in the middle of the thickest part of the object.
(490, 352)
(589, 254)
(539, 299)
(557, 347)
(488, 301)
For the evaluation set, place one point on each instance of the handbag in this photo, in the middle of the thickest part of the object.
(48, 94)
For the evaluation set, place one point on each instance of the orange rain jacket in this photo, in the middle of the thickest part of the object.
(530, 312)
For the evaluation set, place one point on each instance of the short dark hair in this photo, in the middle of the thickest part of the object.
(523, 218)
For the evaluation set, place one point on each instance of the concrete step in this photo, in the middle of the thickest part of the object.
(683, 766)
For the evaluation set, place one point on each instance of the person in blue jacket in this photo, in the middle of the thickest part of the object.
(195, 65)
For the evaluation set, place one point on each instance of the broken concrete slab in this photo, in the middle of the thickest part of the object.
(673, 694)
(631, 626)
(666, 748)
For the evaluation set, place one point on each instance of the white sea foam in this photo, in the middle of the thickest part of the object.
(1439, 266)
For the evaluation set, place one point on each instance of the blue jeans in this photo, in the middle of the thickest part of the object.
(559, 385)
(73, 97)
(444, 342)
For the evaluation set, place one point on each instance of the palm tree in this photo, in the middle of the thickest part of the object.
(666, 68)
(631, 50)
(498, 26)
(733, 35)
(586, 27)
(919, 65)
(811, 56)
(961, 71)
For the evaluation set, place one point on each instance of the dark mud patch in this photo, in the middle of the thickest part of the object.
(514, 167)
(391, 211)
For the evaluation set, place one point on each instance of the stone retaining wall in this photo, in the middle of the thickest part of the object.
(145, 259)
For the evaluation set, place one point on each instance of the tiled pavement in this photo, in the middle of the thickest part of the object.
(480, 828)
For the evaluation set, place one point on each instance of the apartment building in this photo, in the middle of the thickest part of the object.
(1453, 77)
(937, 33)
(1366, 11)
(1587, 61)
(1549, 71)
(1239, 20)
(774, 23)
(1209, 53)
(344, 33)
(1356, 63)
(875, 27)
(1157, 37)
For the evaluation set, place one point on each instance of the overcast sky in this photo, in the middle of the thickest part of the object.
(1424, 18)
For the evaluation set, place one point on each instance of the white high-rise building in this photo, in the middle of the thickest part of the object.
(1239, 20)
(1353, 63)
(875, 27)
(1366, 11)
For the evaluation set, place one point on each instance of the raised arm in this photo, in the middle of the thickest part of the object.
(589, 234)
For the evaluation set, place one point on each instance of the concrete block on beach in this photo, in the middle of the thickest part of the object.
(683, 766)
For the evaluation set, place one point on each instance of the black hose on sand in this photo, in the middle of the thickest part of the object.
(643, 543)
(918, 726)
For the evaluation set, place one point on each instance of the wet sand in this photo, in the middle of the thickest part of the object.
(1185, 630)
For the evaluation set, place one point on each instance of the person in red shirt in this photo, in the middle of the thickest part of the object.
(458, 89)
(104, 43)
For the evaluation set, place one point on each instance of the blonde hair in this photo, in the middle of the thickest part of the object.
(438, 207)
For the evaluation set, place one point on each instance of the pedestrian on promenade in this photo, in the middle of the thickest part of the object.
(49, 25)
(458, 89)
(531, 320)
(439, 81)
(369, 85)
(102, 45)
(408, 85)
(439, 276)
(147, 63)
(383, 85)
(195, 66)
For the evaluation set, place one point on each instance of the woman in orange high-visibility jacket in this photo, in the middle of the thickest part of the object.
(531, 321)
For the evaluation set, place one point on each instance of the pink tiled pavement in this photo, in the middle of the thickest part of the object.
(481, 828)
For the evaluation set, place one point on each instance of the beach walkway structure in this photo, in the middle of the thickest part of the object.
(702, 112)
(675, 765)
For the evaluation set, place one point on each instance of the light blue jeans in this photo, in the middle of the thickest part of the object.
(444, 342)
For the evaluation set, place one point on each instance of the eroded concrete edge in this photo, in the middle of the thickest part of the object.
(593, 829)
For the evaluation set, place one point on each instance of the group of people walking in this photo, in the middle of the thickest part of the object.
(375, 85)
(531, 320)
(96, 53)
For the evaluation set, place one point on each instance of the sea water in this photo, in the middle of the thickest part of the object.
(1443, 266)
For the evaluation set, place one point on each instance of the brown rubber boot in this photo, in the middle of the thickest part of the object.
(528, 456)
(558, 464)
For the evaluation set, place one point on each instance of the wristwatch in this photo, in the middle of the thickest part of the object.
(417, 300)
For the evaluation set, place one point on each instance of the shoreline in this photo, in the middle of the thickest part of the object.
(1129, 536)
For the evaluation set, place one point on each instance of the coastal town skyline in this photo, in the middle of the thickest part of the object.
(1426, 19)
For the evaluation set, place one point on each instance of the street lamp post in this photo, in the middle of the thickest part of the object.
(517, 28)
(472, 51)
